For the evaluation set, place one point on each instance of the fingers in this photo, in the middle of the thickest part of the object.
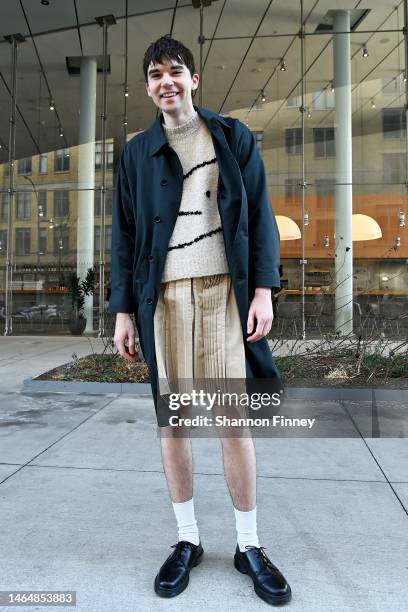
(263, 327)
(250, 322)
(120, 344)
(258, 334)
(127, 352)
(130, 354)
(268, 325)
(131, 344)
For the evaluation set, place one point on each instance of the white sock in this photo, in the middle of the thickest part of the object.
(246, 528)
(186, 521)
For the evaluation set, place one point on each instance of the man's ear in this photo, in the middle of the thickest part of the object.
(147, 90)
(196, 80)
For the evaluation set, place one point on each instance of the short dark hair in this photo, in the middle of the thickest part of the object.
(167, 48)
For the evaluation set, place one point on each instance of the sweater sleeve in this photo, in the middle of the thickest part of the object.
(263, 232)
(123, 244)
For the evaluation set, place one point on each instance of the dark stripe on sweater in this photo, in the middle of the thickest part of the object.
(181, 246)
(190, 212)
(205, 163)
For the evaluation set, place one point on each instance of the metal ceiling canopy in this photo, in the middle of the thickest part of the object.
(199, 3)
(74, 64)
(242, 39)
(357, 16)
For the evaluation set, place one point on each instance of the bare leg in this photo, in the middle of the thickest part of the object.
(240, 471)
(177, 459)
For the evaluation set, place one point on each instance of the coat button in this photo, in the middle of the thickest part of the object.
(150, 258)
(157, 219)
(149, 301)
(163, 182)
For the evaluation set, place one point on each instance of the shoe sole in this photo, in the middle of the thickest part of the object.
(271, 599)
(180, 588)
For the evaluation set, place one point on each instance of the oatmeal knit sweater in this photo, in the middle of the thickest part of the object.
(196, 247)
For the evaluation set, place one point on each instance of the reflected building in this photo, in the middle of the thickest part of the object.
(329, 119)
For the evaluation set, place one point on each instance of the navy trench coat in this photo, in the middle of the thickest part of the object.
(146, 205)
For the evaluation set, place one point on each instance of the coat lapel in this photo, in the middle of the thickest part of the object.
(229, 184)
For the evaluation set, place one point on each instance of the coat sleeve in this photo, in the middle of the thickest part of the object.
(123, 244)
(264, 239)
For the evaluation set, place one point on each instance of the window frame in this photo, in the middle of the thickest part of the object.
(64, 156)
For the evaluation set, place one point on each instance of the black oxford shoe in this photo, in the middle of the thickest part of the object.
(269, 584)
(174, 574)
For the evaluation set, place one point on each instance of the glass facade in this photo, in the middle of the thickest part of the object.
(293, 113)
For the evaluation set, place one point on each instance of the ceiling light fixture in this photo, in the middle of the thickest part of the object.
(126, 91)
(332, 86)
(372, 103)
(309, 114)
(125, 121)
(401, 217)
(326, 241)
(365, 228)
(263, 96)
(365, 52)
(288, 228)
(61, 133)
(52, 104)
(282, 66)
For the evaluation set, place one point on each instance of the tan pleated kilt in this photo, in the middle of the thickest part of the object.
(198, 333)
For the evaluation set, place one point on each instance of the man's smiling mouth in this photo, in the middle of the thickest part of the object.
(170, 94)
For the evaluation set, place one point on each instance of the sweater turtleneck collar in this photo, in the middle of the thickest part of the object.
(184, 130)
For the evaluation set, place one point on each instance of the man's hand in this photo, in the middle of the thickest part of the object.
(125, 333)
(261, 310)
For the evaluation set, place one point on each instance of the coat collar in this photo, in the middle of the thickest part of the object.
(157, 136)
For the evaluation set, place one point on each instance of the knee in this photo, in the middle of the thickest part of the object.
(238, 444)
(174, 433)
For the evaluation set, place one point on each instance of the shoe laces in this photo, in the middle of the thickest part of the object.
(178, 548)
(260, 550)
(181, 541)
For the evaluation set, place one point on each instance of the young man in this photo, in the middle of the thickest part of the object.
(195, 254)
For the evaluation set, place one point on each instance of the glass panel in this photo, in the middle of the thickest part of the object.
(48, 212)
(43, 163)
(62, 160)
(45, 249)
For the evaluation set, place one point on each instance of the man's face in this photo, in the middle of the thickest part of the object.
(170, 85)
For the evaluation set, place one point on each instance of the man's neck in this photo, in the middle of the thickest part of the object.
(176, 120)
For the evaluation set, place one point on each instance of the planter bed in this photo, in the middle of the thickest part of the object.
(332, 376)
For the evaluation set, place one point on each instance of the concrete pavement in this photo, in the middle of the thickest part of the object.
(84, 504)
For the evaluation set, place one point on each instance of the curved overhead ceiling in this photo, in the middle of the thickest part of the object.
(250, 37)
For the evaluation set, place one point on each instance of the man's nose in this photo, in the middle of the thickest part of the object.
(166, 79)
